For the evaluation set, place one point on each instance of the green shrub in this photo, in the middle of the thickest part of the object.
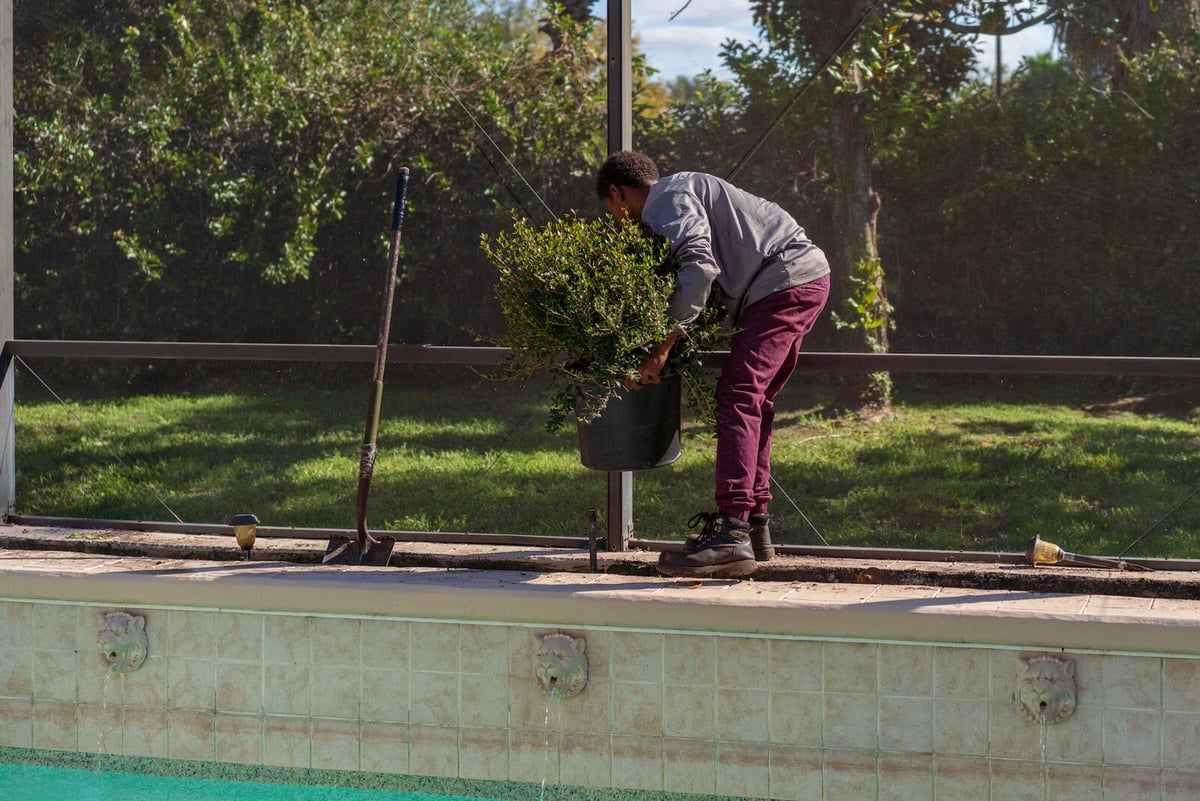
(587, 300)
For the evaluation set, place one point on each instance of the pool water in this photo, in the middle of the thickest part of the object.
(40, 783)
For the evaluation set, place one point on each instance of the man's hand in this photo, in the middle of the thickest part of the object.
(650, 371)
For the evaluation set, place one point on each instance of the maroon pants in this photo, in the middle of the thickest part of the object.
(762, 356)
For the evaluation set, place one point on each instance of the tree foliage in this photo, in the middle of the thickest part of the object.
(236, 154)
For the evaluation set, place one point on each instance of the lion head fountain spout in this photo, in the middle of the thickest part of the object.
(123, 641)
(560, 664)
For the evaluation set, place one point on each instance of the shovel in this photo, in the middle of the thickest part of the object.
(367, 549)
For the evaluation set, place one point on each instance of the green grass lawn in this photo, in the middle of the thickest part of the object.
(974, 464)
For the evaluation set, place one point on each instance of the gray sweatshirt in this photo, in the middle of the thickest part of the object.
(749, 246)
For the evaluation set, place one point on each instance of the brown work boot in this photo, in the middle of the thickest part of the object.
(721, 550)
(760, 537)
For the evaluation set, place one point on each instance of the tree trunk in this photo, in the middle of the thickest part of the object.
(858, 291)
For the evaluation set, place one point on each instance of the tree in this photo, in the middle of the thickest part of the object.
(182, 167)
(874, 70)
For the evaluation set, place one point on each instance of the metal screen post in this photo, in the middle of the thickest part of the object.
(8, 466)
(619, 519)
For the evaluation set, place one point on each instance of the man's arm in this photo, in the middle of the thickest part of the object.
(650, 371)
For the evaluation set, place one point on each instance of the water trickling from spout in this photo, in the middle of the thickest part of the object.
(1045, 771)
(546, 745)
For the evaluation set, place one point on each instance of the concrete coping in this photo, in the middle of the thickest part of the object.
(910, 613)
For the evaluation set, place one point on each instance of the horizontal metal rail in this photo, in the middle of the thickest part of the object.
(1178, 367)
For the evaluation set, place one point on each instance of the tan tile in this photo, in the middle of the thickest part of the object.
(55, 626)
(960, 778)
(286, 688)
(849, 774)
(287, 639)
(1131, 737)
(239, 738)
(638, 657)
(637, 708)
(794, 665)
(742, 662)
(689, 766)
(906, 670)
(533, 756)
(1130, 784)
(239, 687)
(483, 754)
(1017, 780)
(850, 721)
(16, 722)
(1180, 785)
(384, 695)
(851, 667)
(795, 773)
(434, 646)
(638, 761)
(433, 750)
(147, 686)
(906, 725)
(689, 659)
(1181, 685)
(690, 711)
(385, 643)
(384, 747)
(287, 741)
(55, 725)
(1080, 738)
(483, 700)
(191, 634)
(191, 734)
(1180, 740)
(145, 732)
(16, 671)
(590, 711)
(742, 715)
(586, 761)
(743, 769)
(960, 727)
(335, 744)
(54, 674)
(906, 777)
(796, 718)
(433, 698)
(528, 704)
(239, 636)
(1133, 682)
(484, 649)
(16, 624)
(335, 693)
(1010, 735)
(965, 672)
(1074, 781)
(192, 684)
(100, 728)
(335, 643)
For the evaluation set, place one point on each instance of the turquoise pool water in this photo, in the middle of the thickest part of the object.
(40, 783)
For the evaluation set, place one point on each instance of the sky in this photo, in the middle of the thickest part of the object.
(692, 42)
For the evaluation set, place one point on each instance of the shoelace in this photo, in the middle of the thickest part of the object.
(709, 530)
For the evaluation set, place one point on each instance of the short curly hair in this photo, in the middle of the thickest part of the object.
(625, 168)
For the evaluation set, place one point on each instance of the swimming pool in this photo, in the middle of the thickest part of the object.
(42, 782)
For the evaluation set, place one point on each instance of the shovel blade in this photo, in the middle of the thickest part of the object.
(371, 552)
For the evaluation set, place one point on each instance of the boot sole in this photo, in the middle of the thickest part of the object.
(743, 567)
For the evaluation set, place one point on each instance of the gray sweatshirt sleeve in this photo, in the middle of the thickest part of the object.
(681, 218)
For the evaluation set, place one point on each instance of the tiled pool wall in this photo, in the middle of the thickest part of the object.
(731, 713)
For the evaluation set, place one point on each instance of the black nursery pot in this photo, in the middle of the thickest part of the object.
(637, 430)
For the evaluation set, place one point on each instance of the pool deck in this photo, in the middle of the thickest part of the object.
(553, 587)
